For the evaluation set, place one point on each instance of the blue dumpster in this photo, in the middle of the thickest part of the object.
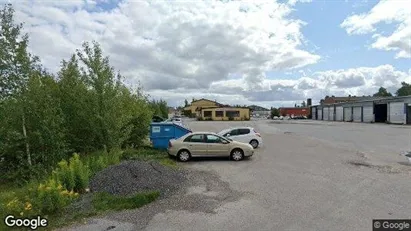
(162, 133)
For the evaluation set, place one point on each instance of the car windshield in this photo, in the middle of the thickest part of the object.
(224, 131)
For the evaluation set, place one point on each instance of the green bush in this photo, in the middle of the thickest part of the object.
(199, 118)
(44, 199)
(114, 156)
(230, 118)
(52, 197)
(65, 175)
(81, 173)
(96, 164)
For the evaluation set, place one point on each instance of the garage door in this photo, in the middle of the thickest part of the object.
(331, 113)
(347, 114)
(313, 113)
(339, 113)
(368, 114)
(326, 113)
(320, 114)
(396, 112)
(357, 114)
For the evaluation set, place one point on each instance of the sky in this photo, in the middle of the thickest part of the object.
(266, 53)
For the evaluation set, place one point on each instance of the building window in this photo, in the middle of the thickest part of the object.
(207, 113)
(219, 114)
(232, 114)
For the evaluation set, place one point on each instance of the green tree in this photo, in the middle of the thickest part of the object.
(382, 92)
(16, 66)
(185, 103)
(79, 119)
(104, 94)
(274, 112)
(404, 90)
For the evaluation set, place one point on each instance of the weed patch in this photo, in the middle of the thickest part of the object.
(105, 202)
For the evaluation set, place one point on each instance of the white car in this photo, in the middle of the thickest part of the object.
(244, 135)
(175, 120)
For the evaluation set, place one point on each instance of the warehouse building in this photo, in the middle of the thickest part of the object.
(395, 110)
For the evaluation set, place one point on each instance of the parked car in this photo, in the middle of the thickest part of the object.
(207, 144)
(174, 120)
(243, 134)
(157, 119)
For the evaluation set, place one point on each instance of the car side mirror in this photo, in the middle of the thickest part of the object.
(225, 142)
(228, 135)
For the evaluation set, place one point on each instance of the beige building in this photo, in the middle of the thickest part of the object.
(225, 113)
(195, 107)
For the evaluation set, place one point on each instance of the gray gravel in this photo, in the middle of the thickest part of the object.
(137, 176)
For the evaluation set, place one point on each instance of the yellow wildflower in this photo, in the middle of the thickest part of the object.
(21, 214)
(60, 186)
(64, 192)
(75, 194)
(28, 206)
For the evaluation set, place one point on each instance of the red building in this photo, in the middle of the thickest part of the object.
(294, 111)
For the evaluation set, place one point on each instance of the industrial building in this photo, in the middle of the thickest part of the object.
(394, 110)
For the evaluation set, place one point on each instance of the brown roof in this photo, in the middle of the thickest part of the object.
(225, 108)
(206, 100)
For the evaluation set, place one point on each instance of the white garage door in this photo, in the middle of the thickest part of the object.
(326, 113)
(396, 112)
(313, 111)
(368, 114)
(331, 114)
(347, 114)
(357, 114)
(339, 113)
(320, 114)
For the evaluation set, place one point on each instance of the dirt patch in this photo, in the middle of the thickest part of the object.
(359, 163)
(379, 168)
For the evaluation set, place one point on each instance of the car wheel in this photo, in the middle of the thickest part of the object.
(237, 154)
(254, 143)
(184, 155)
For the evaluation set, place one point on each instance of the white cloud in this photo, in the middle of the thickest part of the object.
(189, 43)
(355, 81)
(293, 2)
(386, 11)
(211, 49)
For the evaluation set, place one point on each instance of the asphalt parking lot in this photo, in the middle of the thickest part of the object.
(309, 175)
(340, 178)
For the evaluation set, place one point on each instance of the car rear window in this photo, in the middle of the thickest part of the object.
(243, 131)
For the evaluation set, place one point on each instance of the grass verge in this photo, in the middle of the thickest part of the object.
(150, 154)
(107, 202)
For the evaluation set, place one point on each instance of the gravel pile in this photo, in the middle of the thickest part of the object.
(131, 177)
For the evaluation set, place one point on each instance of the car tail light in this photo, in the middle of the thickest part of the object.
(169, 144)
